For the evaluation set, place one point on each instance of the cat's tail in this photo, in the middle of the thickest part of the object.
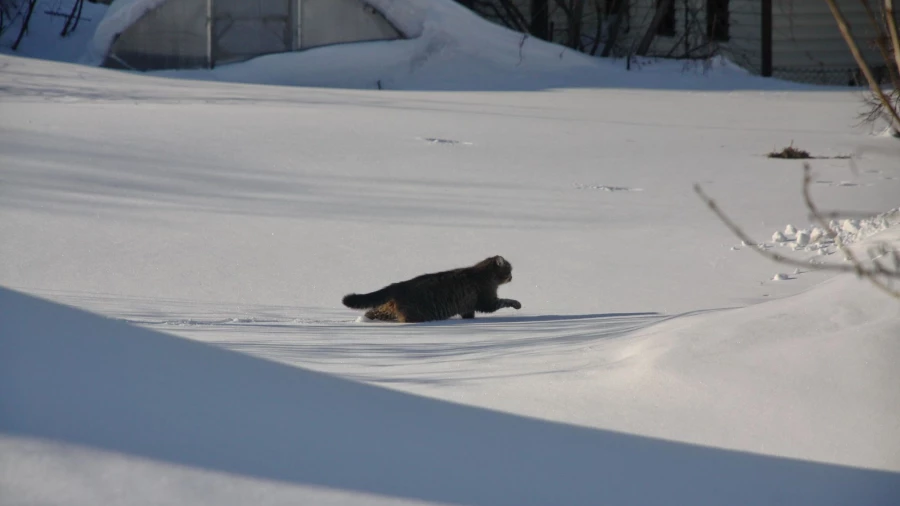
(367, 300)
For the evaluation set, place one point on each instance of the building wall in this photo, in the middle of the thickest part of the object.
(744, 45)
(806, 43)
(688, 39)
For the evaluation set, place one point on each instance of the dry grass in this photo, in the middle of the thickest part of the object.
(791, 152)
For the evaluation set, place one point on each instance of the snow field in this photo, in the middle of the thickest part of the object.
(175, 252)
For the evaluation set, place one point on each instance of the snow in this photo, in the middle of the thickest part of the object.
(449, 48)
(118, 17)
(119, 414)
(457, 50)
(819, 241)
(409, 16)
(175, 252)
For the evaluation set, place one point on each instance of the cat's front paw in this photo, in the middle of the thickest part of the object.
(515, 304)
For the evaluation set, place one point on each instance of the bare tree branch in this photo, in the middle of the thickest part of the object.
(73, 18)
(29, 12)
(871, 273)
(861, 62)
(894, 34)
(881, 41)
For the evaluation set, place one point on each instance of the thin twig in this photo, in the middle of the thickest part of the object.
(861, 271)
(31, 6)
(521, 46)
(754, 245)
(881, 41)
(894, 33)
(860, 61)
(816, 215)
(872, 273)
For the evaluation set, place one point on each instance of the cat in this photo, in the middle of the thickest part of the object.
(440, 295)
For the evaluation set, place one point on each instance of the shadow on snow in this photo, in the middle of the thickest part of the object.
(70, 376)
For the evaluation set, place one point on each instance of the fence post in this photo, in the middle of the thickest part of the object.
(210, 57)
(766, 30)
(540, 19)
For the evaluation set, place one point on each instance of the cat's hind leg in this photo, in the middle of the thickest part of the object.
(385, 312)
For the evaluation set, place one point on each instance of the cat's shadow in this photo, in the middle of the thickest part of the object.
(525, 319)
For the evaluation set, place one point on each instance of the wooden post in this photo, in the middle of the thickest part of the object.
(540, 20)
(766, 30)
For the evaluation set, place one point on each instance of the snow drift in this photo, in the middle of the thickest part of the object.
(71, 377)
(236, 217)
(448, 48)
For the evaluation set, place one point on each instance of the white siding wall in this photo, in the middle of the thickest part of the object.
(744, 47)
(806, 39)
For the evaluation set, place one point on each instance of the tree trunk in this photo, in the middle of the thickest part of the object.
(540, 19)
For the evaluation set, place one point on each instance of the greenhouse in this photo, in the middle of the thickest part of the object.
(180, 34)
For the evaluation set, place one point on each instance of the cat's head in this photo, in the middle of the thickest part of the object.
(501, 268)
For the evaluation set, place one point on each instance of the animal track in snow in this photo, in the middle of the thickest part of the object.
(880, 173)
(841, 183)
(600, 187)
(820, 241)
(436, 140)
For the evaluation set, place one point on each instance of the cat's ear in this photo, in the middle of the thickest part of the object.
(500, 261)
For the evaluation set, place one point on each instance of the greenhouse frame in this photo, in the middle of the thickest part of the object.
(180, 34)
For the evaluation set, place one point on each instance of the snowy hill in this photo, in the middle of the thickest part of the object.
(100, 411)
(449, 48)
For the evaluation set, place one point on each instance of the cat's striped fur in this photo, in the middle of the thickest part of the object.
(440, 295)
